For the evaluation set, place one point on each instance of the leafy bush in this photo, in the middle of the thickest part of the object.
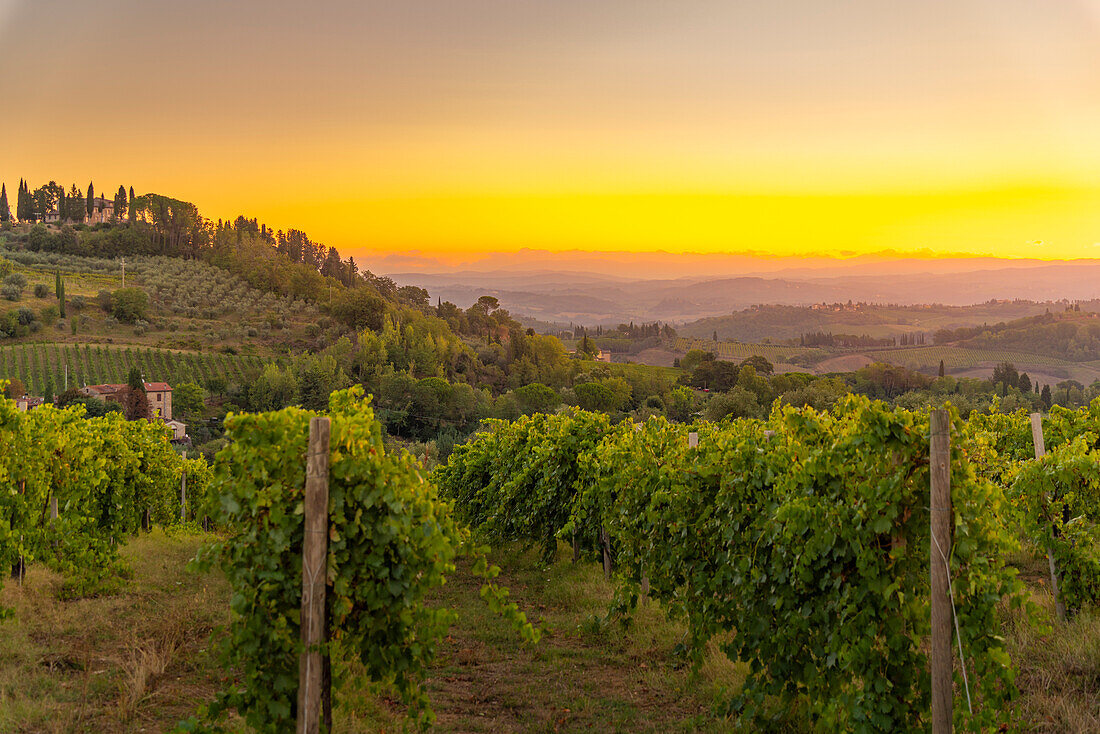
(11, 292)
(41, 290)
(129, 305)
(17, 279)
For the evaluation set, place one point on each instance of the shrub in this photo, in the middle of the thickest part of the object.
(129, 304)
(50, 314)
(16, 279)
(41, 290)
(11, 292)
(77, 302)
(25, 316)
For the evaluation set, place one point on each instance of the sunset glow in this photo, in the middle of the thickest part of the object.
(455, 128)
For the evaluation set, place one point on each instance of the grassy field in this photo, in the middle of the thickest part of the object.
(142, 660)
(90, 364)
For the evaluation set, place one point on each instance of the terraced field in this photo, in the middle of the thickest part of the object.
(89, 364)
(736, 351)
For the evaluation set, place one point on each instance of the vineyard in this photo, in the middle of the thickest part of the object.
(736, 351)
(796, 546)
(800, 543)
(925, 358)
(92, 364)
(930, 357)
(75, 487)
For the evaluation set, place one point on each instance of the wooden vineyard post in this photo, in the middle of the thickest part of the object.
(53, 514)
(1040, 452)
(183, 498)
(645, 576)
(314, 553)
(940, 545)
(145, 520)
(605, 546)
(693, 440)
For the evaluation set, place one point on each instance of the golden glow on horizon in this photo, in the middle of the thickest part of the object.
(461, 128)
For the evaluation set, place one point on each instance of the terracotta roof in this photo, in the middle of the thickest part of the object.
(149, 387)
(104, 389)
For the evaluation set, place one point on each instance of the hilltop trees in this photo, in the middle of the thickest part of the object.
(177, 228)
(24, 210)
(44, 200)
(120, 204)
(5, 209)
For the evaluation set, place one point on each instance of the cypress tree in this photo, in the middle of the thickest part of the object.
(130, 210)
(21, 201)
(91, 198)
(941, 368)
(120, 203)
(59, 289)
(62, 207)
(5, 210)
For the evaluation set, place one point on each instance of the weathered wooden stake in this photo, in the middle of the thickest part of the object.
(53, 515)
(314, 552)
(605, 546)
(576, 547)
(693, 440)
(145, 520)
(183, 498)
(1040, 452)
(940, 544)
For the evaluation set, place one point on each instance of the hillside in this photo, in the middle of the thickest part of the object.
(554, 296)
(780, 323)
(192, 305)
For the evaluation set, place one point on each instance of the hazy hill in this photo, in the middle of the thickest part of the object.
(608, 299)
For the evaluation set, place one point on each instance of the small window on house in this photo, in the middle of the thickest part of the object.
(158, 397)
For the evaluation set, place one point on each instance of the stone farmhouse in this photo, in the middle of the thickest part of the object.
(159, 395)
(103, 210)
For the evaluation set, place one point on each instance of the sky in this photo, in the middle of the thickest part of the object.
(450, 129)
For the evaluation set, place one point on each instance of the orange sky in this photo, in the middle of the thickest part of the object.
(454, 128)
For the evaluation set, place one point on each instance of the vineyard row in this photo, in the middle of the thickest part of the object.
(90, 364)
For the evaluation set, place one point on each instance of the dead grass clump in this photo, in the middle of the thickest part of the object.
(144, 663)
(1058, 670)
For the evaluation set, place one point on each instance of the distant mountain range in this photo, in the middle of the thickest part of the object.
(595, 298)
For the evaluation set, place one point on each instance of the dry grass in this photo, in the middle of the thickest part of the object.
(1058, 669)
(136, 661)
(140, 660)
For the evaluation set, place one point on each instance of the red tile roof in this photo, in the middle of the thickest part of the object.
(149, 387)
